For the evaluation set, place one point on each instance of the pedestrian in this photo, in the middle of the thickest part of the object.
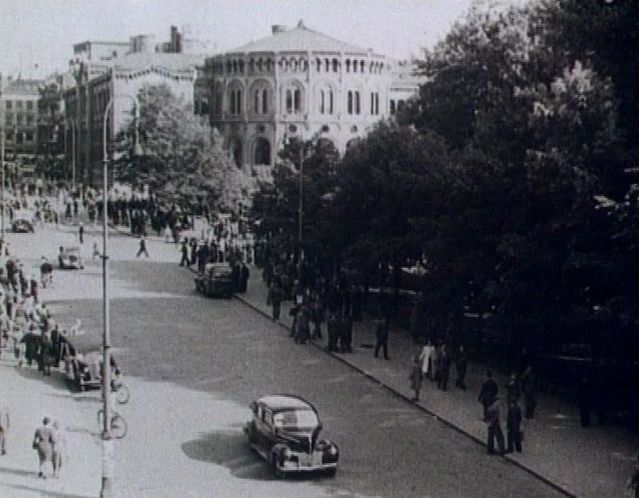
(436, 365)
(81, 233)
(416, 375)
(461, 364)
(332, 329)
(346, 334)
(58, 449)
(185, 254)
(275, 298)
(244, 277)
(317, 316)
(235, 276)
(494, 427)
(142, 249)
(529, 385)
(632, 484)
(424, 357)
(584, 396)
(488, 392)
(302, 331)
(513, 389)
(42, 443)
(381, 335)
(513, 427)
(444, 367)
(96, 251)
(4, 429)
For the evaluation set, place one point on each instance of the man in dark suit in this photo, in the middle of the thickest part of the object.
(381, 333)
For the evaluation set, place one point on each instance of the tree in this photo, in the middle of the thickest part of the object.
(183, 158)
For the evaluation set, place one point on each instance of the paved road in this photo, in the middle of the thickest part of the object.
(194, 365)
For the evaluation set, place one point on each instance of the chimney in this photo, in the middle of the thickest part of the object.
(276, 29)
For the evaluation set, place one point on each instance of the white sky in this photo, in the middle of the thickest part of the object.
(42, 32)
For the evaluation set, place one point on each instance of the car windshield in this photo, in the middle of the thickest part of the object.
(295, 419)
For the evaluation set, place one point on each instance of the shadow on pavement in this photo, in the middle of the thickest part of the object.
(18, 472)
(54, 380)
(230, 449)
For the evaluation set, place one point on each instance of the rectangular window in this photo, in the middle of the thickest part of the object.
(357, 103)
(376, 102)
(19, 119)
(9, 104)
(372, 103)
(289, 102)
(29, 104)
(330, 102)
(29, 136)
(350, 103)
(18, 104)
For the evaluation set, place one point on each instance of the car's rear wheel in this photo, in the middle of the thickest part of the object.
(331, 472)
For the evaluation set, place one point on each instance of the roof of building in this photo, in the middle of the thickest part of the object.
(298, 39)
(19, 86)
(171, 61)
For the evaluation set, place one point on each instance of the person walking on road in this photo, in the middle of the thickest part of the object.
(381, 334)
(488, 392)
(513, 427)
(42, 443)
(185, 254)
(513, 389)
(244, 277)
(142, 249)
(4, 429)
(494, 427)
(444, 367)
(416, 375)
(58, 449)
(81, 233)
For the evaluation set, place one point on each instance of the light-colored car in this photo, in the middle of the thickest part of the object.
(70, 258)
(284, 430)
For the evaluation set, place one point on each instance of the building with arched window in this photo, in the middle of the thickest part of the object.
(299, 83)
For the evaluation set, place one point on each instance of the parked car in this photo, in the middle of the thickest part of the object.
(23, 221)
(216, 280)
(70, 258)
(284, 430)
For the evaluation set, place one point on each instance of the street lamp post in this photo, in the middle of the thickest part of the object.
(300, 216)
(106, 490)
(73, 134)
(2, 151)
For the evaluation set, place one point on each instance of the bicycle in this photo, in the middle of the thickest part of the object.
(118, 424)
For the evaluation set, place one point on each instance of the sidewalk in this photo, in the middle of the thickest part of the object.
(593, 462)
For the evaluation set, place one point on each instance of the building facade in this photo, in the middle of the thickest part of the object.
(299, 83)
(19, 106)
(97, 81)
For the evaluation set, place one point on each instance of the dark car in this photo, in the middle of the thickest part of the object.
(215, 280)
(285, 430)
(23, 221)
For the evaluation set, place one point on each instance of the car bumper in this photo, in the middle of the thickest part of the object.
(294, 467)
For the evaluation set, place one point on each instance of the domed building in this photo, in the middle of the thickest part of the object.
(299, 83)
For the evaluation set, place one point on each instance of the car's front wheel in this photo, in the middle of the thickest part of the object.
(277, 471)
(331, 472)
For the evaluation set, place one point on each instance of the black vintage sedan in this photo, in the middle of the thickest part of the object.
(285, 430)
(216, 280)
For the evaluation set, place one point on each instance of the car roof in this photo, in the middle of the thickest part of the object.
(278, 402)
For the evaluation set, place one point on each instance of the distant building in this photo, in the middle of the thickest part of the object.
(98, 77)
(300, 83)
(19, 107)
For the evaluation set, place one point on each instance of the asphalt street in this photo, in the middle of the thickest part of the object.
(194, 364)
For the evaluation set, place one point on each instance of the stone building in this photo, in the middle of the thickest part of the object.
(19, 114)
(122, 74)
(300, 83)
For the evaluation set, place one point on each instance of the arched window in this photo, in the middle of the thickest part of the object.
(354, 66)
(330, 102)
(235, 99)
(297, 97)
(357, 103)
(322, 102)
(262, 152)
(392, 107)
(238, 104)
(293, 98)
(348, 65)
(269, 65)
(264, 101)
(349, 103)
(327, 65)
(257, 97)
(335, 65)
(289, 101)
(362, 66)
(318, 62)
(236, 148)
(376, 103)
(260, 63)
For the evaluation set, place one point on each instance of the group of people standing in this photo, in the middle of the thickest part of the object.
(519, 384)
(434, 362)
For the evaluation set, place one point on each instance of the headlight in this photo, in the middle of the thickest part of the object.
(287, 453)
(332, 450)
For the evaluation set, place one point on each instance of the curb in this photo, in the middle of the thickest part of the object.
(419, 406)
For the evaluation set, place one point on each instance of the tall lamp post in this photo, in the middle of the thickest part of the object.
(73, 135)
(106, 490)
(2, 152)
